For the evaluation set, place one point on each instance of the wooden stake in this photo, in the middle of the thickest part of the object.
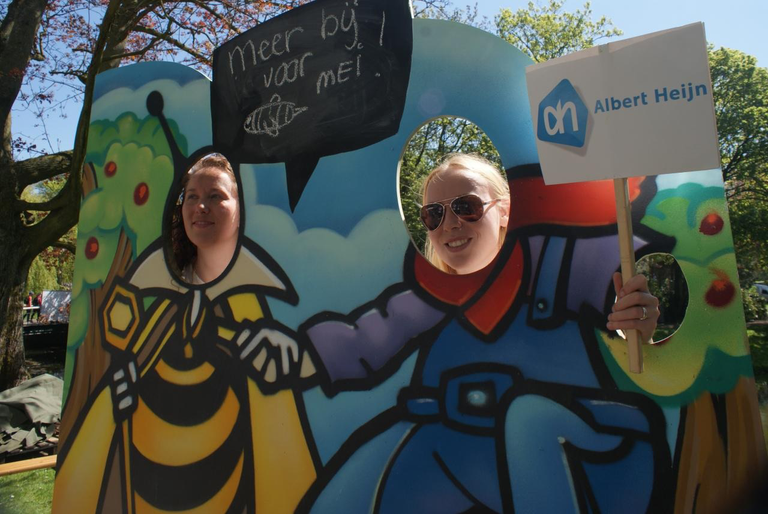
(627, 253)
(27, 465)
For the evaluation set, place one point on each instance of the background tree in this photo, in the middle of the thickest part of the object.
(740, 93)
(41, 277)
(54, 267)
(546, 32)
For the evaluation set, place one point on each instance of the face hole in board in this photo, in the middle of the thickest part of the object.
(459, 244)
(666, 282)
(205, 222)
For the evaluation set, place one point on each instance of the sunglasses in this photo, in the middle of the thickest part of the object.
(467, 208)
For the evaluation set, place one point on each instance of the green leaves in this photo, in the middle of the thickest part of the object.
(740, 91)
(547, 32)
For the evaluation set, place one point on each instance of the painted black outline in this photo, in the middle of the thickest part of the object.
(364, 434)
(114, 453)
(457, 312)
(459, 486)
(575, 457)
(559, 307)
(332, 388)
(568, 396)
(390, 464)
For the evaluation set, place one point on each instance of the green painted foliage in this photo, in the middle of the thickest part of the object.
(131, 162)
(680, 213)
(128, 128)
(709, 352)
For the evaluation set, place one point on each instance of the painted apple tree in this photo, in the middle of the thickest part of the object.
(698, 357)
(128, 174)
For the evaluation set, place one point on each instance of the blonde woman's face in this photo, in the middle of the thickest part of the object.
(466, 246)
(210, 210)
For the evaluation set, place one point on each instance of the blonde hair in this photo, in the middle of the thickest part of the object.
(477, 164)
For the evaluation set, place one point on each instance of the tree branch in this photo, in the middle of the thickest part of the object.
(70, 247)
(165, 36)
(17, 37)
(31, 171)
(79, 76)
(137, 53)
(65, 206)
(203, 5)
(47, 232)
(61, 200)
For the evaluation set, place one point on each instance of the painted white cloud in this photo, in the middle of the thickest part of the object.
(329, 271)
(187, 105)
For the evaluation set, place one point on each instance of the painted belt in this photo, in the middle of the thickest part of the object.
(466, 400)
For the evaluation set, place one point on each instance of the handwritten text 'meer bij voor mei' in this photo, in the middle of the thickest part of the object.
(686, 92)
(327, 51)
(293, 68)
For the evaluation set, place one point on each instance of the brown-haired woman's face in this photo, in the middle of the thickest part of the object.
(465, 246)
(210, 211)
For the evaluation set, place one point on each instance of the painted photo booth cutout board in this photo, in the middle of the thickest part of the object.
(432, 393)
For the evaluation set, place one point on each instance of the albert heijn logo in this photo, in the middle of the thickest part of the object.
(563, 116)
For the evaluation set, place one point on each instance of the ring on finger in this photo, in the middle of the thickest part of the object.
(645, 314)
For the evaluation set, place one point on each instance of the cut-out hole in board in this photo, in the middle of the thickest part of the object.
(666, 282)
(426, 149)
(205, 221)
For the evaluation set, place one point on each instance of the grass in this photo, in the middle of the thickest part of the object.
(27, 493)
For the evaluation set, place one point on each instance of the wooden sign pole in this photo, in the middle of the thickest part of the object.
(627, 253)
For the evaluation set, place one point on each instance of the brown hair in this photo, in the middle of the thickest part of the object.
(184, 251)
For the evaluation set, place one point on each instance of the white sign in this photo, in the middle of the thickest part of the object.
(642, 106)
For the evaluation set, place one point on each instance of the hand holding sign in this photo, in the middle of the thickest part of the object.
(325, 78)
(637, 107)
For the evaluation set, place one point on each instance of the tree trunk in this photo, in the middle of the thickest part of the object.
(17, 37)
(13, 278)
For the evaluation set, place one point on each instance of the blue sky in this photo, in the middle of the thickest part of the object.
(736, 24)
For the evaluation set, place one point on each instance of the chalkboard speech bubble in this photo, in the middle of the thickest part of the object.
(325, 78)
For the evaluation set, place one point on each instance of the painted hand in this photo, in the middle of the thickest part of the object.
(124, 378)
(274, 353)
(635, 307)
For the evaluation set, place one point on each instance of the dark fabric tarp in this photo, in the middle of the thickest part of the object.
(29, 412)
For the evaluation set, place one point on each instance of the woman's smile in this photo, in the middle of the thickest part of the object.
(210, 210)
(457, 245)
(465, 246)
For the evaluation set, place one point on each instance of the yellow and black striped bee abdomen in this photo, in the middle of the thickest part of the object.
(191, 440)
